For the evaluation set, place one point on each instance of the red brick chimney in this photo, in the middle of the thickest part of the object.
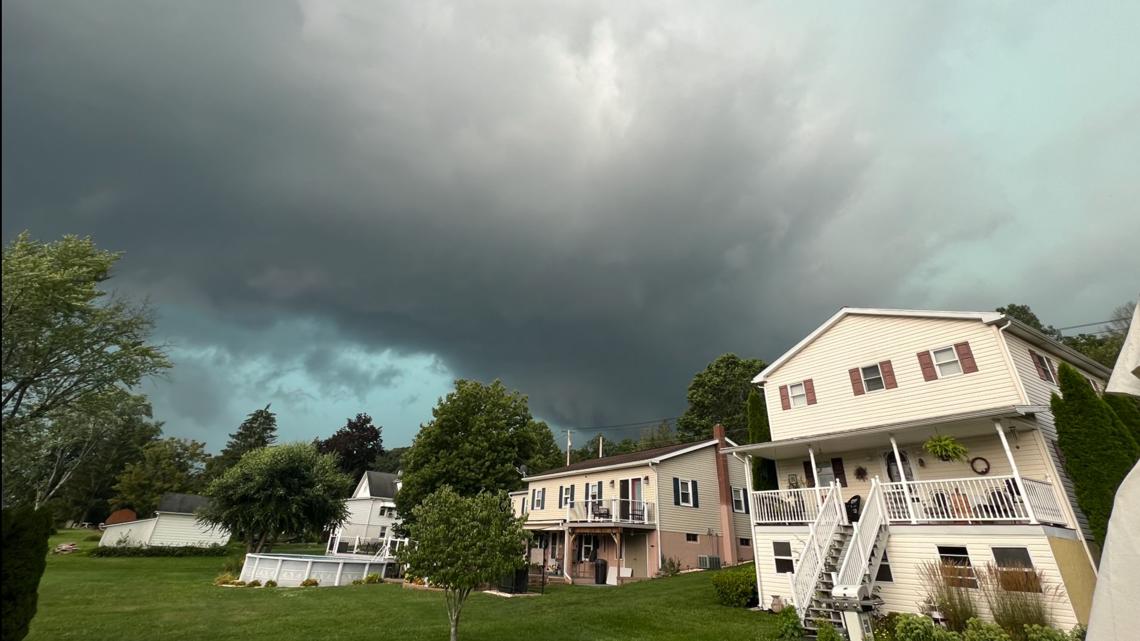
(724, 489)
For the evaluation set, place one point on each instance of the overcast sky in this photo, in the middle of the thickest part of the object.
(340, 207)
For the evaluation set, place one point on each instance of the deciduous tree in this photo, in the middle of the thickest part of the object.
(718, 394)
(358, 444)
(168, 465)
(462, 542)
(281, 490)
(258, 430)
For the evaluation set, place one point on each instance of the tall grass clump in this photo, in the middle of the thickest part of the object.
(948, 587)
(1017, 597)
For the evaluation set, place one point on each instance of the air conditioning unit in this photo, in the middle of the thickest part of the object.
(705, 562)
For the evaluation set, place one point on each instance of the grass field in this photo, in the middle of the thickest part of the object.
(173, 598)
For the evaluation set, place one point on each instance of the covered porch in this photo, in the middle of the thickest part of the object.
(1007, 478)
(626, 551)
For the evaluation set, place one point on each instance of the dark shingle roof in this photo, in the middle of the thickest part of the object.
(382, 485)
(181, 503)
(618, 459)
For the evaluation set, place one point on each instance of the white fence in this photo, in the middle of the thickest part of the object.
(857, 560)
(986, 499)
(612, 511)
(788, 506)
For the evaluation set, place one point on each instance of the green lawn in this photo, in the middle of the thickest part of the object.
(173, 598)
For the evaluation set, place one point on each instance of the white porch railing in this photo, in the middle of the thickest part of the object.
(612, 511)
(989, 499)
(810, 564)
(857, 563)
(788, 506)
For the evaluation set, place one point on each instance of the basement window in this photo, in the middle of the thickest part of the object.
(692, 538)
(1015, 570)
(782, 555)
(957, 570)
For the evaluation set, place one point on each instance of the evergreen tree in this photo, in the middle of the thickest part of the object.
(763, 470)
(258, 430)
(358, 444)
(1099, 450)
(1128, 409)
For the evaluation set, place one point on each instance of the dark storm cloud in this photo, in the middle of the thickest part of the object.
(589, 206)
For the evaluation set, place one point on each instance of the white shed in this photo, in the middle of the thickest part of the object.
(174, 524)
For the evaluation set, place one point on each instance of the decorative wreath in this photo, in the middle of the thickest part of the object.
(980, 465)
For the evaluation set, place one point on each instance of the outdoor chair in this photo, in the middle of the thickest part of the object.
(854, 508)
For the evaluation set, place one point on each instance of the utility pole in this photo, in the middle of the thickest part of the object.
(568, 446)
(600, 439)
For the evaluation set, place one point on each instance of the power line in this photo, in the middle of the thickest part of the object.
(1104, 322)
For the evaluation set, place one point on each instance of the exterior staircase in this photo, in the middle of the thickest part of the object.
(822, 605)
(853, 591)
(820, 559)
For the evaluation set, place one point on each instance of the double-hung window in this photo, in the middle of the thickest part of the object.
(1015, 570)
(685, 492)
(957, 570)
(738, 499)
(566, 494)
(946, 360)
(538, 499)
(872, 378)
(797, 394)
(782, 555)
(1044, 367)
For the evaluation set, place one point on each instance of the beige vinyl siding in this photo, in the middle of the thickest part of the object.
(184, 529)
(579, 481)
(699, 466)
(773, 583)
(858, 340)
(364, 519)
(911, 546)
(741, 522)
(131, 533)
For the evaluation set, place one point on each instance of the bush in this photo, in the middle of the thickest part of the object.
(358, 581)
(158, 550)
(825, 631)
(914, 627)
(978, 630)
(233, 563)
(372, 578)
(270, 583)
(670, 567)
(787, 627)
(884, 626)
(310, 583)
(253, 584)
(1044, 633)
(735, 587)
(224, 579)
(25, 542)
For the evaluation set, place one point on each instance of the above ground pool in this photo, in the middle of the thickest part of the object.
(288, 570)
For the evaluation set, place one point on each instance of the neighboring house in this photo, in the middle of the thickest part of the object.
(684, 502)
(369, 530)
(174, 523)
(850, 408)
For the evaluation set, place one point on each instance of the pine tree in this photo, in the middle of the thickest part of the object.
(258, 430)
(1099, 450)
(763, 470)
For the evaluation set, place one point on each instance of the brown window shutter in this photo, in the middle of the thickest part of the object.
(966, 358)
(927, 365)
(809, 475)
(856, 381)
(888, 372)
(1041, 373)
(785, 402)
(809, 389)
(837, 468)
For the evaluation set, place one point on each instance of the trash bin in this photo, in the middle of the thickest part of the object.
(600, 571)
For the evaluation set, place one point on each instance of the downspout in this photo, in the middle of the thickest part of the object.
(657, 525)
(1010, 364)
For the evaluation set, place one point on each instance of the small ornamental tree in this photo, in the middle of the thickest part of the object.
(1099, 450)
(763, 470)
(285, 489)
(25, 535)
(460, 543)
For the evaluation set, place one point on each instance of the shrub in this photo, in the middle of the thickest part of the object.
(25, 543)
(233, 563)
(1016, 598)
(224, 579)
(978, 630)
(1042, 633)
(158, 550)
(270, 583)
(946, 587)
(788, 626)
(358, 581)
(825, 631)
(884, 626)
(253, 584)
(372, 578)
(914, 627)
(240, 584)
(310, 583)
(735, 587)
(93, 538)
(670, 567)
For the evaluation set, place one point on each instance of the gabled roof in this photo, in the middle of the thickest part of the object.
(172, 503)
(381, 484)
(989, 318)
(628, 459)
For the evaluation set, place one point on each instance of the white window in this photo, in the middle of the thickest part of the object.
(593, 491)
(957, 570)
(538, 501)
(797, 393)
(1044, 367)
(1015, 570)
(685, 492)
(738, 499)
(566, 494)
(825, 472)
(782, 554)
(872, 378)
(383, 531)
(946, 360)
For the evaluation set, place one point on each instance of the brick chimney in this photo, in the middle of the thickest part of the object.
(724, 489)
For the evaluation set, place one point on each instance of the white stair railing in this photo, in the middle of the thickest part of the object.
(859, 563)
(810, 565)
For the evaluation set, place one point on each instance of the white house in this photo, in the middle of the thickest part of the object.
(370, 528)
(174, 524)
(850, 408)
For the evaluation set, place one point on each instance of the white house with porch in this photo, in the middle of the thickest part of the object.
(861, 505)
(370, 529)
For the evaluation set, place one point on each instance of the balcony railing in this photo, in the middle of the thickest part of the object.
(990, 499)
(612, 511)
(788, 506)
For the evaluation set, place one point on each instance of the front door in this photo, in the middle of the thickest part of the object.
(623, 508)
(893, 467)
(631, 506)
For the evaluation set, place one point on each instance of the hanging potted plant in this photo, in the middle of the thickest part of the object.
(945, 448)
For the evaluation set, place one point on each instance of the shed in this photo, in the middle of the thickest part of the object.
(173, 524)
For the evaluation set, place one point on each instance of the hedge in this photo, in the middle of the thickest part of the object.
(25, 532)
(735, 587)
(159, 550)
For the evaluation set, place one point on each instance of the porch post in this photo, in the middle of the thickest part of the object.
(815, 476)
(567, 539)
(905, 483)
(1016, 473)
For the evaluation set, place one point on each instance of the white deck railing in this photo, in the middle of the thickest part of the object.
(810, 564)
(788, 506)
(857, 561)
(989, 499)
(612, 511)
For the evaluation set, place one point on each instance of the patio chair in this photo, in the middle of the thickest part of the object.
(854, 508)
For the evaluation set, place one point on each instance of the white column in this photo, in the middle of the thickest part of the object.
(567, 538)
(905, 483)
(339, 569)
(277, 572)
(815, 476)
(1016, 473)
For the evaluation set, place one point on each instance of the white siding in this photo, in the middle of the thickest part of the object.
(611, 488)
(184, 529)
(364, 519)
(774, 583)
(699, 466)
(131, 533)
(741, 522)
(862, 340)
